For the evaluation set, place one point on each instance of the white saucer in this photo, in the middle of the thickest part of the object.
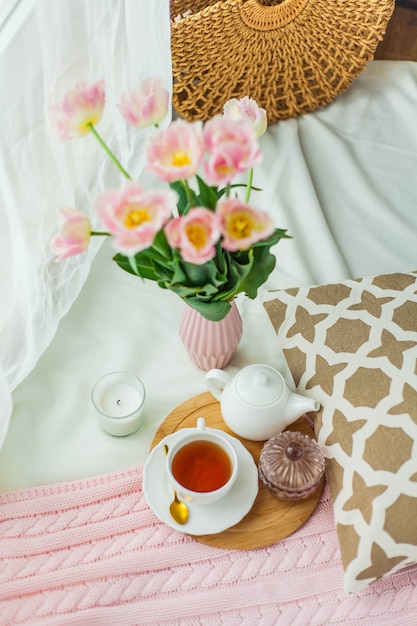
(204, 519)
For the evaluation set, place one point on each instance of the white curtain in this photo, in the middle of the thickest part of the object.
(54, 44)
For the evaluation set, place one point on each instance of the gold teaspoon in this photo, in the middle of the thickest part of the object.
(178, 509)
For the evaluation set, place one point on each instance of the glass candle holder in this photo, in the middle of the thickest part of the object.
(119, 398)
(291, 465)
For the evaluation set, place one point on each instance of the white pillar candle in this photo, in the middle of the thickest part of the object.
(119, 398)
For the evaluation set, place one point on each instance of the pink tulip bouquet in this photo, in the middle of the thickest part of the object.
(196, 237)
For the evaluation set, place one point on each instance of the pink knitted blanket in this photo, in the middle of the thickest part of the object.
(91, 552)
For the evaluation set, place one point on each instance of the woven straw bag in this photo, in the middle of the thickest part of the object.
(291, 57)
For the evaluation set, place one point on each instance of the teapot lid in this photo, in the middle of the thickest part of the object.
(259, 385)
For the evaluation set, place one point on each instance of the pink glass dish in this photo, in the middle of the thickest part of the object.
(291, 465)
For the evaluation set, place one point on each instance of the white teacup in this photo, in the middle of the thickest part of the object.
(202, 464)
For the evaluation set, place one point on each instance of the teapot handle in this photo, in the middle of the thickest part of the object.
(216, 380)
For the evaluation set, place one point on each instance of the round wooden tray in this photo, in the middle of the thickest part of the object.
(269, 519)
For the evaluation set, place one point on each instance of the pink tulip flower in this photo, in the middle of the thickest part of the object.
(195, 234)
(80, 107)
(232, 148)
(134, 216)
(176, 152)
(74, 234)
(241, 225)
(147, 106)
(247, 108)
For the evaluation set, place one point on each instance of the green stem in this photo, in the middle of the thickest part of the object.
(188, 192)
(97, 233)
(108, 151)
(249, 185)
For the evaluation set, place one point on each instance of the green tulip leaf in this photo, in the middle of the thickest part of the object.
(207, 195)
(212, 311)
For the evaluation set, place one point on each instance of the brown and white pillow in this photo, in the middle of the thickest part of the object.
(353, 346)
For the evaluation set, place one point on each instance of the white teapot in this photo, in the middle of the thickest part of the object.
(257, 403)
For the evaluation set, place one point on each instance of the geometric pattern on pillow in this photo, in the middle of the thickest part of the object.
(353, 347)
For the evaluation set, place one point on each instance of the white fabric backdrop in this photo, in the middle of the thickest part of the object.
(57, 45)
(343, 181)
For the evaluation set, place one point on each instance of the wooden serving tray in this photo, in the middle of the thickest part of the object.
(270, 519)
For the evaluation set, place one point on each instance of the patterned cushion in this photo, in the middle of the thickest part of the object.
(353, 346)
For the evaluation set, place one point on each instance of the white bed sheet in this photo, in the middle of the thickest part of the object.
(342, 180)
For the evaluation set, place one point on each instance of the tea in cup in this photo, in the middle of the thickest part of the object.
(202, 465)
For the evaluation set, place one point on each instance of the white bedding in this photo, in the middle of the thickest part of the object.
(342, 180)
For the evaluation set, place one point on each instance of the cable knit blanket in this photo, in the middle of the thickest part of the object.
(91, 552)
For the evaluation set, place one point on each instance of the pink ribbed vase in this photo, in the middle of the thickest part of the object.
(210, 344)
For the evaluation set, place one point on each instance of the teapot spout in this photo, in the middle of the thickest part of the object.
(297, 405)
